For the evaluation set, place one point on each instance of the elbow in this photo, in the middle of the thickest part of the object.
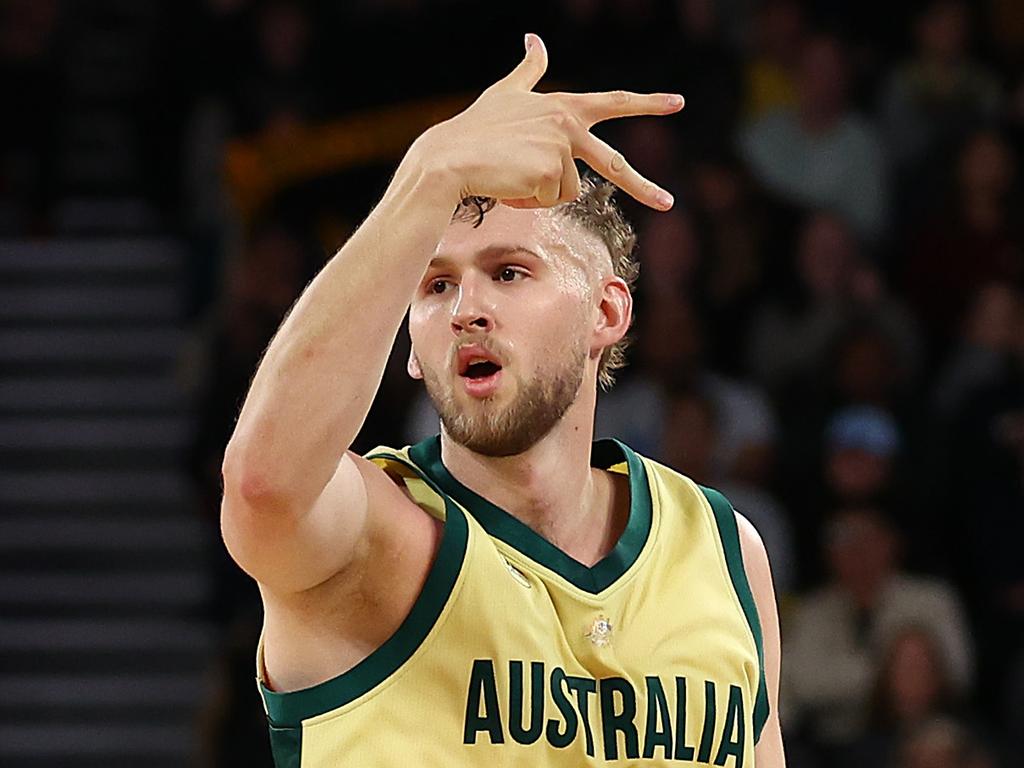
(246, 485)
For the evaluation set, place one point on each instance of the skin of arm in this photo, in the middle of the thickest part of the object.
(297, 507)
(769, 751)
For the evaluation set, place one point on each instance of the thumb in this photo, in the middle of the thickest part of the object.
(531, 69)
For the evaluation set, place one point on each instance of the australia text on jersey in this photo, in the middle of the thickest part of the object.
(655, 730)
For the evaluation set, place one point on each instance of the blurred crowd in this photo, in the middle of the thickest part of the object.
(830, 322)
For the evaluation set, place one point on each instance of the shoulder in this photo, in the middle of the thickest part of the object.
(755, 561)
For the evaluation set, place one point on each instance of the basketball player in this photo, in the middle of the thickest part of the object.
(507, 593)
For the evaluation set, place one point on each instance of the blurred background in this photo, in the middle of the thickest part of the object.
(830, 329)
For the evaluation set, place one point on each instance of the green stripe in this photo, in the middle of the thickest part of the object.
(286, 746)
(503, 526)
(725, 517)
(290, 709)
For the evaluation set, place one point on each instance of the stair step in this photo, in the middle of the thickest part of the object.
(118, 345)
(84, 635)
(95, 433)
(156, 591)
(114, 740)
(149, 303)
(66, 691)
(69, 487)
(83, 393)
(120, 256)
(100, 535)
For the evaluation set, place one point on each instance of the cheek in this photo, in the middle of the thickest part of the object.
(428, 329)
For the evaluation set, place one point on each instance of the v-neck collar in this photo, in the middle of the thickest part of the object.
(502, 525)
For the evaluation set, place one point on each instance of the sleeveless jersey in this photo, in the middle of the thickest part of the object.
(514, 654)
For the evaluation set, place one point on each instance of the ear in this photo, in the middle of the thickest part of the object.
(615, 313)
(413, 365)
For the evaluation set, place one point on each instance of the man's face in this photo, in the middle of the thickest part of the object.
(502, 326)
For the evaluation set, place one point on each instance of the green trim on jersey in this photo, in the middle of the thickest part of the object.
(290, 709)
(728, 531)
(501, 525)
(286, 746)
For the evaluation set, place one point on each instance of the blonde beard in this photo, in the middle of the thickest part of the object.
(537, 408)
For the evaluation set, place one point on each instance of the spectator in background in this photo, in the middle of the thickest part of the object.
(835, 285)
(771, 71)
(932, 100)
(942, 743)
(671, 256)
(707, 70)
(690, 443)
(669, 356)
(838, 637)
(912, 687)
(666, 357)
(983, 482)
(973, 239)
(862, 443)
(987, 340)
(732, 229)
(819, 153)
(279, 89)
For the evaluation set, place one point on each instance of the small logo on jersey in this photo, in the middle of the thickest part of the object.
(600, 633)
(518, 575)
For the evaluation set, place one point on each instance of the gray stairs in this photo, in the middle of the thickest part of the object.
(104, 654)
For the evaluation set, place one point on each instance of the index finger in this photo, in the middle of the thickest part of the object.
(595, 107)
(610, 163)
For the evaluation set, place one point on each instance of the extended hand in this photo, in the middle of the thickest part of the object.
(519, 146)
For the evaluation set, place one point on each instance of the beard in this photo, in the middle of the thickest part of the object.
(491, 430)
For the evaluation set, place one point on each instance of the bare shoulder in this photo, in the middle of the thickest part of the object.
(755, 556)
(317, 634)
(769, 750)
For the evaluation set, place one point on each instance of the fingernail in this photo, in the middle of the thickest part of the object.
(665, 200)
(675, 100)
(528, 41)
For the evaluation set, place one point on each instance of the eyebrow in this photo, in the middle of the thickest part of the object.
(487, 253)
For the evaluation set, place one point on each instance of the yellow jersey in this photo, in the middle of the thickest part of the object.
(514, 654)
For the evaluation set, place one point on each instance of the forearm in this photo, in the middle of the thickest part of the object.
(319, 375)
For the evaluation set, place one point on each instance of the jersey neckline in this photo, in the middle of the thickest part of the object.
(509, 529)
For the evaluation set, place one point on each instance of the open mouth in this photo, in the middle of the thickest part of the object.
(480, 370)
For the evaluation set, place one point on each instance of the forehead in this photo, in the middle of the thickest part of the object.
(552, 236)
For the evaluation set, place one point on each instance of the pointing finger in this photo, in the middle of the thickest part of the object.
(531, 69)
(610, 163)
(594, 107)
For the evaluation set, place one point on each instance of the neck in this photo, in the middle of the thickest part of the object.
(551, 487)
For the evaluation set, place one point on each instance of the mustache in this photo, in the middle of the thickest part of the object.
(488, 344)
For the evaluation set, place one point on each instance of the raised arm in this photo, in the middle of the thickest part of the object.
(296, 504)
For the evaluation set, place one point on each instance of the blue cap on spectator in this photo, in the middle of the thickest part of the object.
(865, 427)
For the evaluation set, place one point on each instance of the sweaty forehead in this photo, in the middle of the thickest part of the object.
(552, 236)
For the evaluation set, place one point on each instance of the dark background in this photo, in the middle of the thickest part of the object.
(830, 328)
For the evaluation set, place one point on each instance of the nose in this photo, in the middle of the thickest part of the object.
(473, 311)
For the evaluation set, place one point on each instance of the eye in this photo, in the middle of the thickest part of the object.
(510, 274)
(437, 286)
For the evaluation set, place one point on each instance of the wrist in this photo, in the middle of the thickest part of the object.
(424, 172)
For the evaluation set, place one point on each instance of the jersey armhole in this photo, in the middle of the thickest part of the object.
(286, 711)
(728, 531)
